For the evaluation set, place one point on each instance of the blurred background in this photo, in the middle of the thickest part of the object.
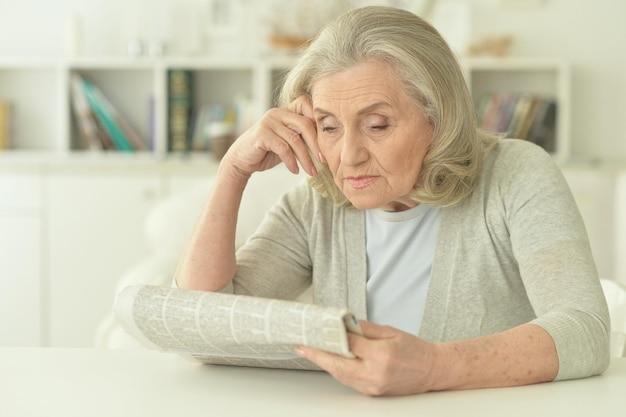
(589, 34)
(80, 217)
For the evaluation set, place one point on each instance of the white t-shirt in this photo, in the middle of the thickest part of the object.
(400, 251)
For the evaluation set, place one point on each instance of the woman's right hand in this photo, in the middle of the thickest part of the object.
(282, 134)
(208, 262)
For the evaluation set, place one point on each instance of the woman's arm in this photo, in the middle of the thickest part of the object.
(208, 260)
(569, 337)
(283, 135)
(392, 362)
(555, 262)
(520, 356)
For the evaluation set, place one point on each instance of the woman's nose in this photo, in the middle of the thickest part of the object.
(353, 151)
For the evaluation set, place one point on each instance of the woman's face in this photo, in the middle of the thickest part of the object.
(371, 134)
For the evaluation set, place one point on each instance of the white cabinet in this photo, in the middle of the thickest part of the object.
(21, 260)
(95, 232)
(68, 232)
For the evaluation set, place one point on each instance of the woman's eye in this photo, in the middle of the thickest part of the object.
(328, 129)
(378, 130)
(376, 124)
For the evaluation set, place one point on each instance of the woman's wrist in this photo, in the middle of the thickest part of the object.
(446, 365)
(229, 174)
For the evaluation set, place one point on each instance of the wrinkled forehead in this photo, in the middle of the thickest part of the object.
(370, 78)
(366, 83)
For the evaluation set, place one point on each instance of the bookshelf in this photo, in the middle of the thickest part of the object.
(138, 88)
(547, 79)
(40, 90)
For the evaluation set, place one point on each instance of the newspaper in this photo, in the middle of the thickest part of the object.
(226, 329)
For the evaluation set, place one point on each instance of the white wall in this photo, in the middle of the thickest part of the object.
(591, 35)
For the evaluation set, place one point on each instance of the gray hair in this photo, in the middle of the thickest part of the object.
(433, 80)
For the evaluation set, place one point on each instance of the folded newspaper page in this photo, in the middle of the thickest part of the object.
(227, 329)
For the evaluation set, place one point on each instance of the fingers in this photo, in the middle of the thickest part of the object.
(389, 362)
(292, 135)
(361, 346)
(364, 346)
(339, 367)
(300, 134)
(283, 134)
(303, 106)
(290, 147)
(323, 359)
(354, 373)
(376, 331)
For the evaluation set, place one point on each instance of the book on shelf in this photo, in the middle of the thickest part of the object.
(200, 120)
(107, 142)
(152, 122)
(214, 126)
(88, 128)
(227, 329)
(179, 112)
(213, 129)
(6, 124)
(130, 134)
(520, 115)
(543, 129)
(100, 124)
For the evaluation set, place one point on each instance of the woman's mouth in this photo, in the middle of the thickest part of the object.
(361, 182)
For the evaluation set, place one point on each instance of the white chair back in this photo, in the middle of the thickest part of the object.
(615, 294)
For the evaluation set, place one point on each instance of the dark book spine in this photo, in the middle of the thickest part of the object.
(180, 106)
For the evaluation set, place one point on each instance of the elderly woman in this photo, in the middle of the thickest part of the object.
(464, 254)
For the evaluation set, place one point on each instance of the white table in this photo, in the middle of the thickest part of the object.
(116, 383)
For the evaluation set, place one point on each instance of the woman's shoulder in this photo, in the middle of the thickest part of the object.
(520, 167)
(519, 152)
(514, 158)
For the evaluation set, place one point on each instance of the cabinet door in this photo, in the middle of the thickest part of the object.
(95, 234)
(20, 256)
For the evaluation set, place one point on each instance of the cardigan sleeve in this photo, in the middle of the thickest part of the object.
(550, 243)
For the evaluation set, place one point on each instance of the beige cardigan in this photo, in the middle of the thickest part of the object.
(513, 252)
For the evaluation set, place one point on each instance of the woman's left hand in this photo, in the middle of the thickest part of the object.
(389, 362)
